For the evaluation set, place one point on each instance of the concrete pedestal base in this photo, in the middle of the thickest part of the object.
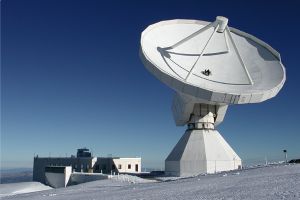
(201, 151)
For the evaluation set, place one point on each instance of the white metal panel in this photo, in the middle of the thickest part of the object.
(255, 98)
(217, 97)
(245, 98)
(228, 98)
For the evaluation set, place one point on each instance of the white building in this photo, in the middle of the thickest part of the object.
(84, 162)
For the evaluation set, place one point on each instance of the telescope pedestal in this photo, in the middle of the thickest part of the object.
(201, 151)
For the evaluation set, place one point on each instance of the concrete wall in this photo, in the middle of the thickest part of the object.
(68, 173)
(58, 179)
(78, 177)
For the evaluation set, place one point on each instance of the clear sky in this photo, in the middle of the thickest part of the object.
(71, 77)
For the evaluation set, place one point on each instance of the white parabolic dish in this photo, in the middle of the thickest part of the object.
(211, 61)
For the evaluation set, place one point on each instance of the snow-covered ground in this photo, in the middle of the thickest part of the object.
(131, 179)
(273, 182)
(20, 188)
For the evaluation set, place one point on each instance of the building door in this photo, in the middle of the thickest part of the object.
(136, 167)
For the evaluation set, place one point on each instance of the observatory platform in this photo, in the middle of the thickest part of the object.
(210, 66)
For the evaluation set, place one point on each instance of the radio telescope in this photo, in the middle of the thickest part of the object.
(210, 66)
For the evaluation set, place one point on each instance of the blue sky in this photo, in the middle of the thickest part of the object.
(71, 77)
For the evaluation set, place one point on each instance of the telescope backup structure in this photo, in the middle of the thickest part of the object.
(210, 66)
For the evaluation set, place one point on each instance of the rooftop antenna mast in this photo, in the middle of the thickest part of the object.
(285, 155)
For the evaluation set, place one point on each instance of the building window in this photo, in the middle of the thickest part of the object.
(136, 167)
(129, 166)
(113, 166)
(119, 166)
